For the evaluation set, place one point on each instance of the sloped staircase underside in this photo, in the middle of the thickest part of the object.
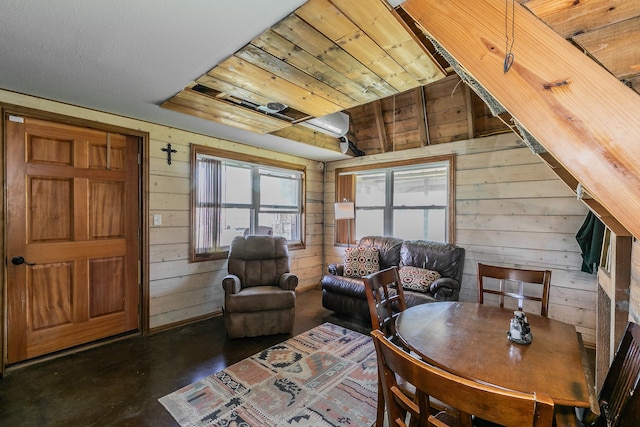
(585, 118)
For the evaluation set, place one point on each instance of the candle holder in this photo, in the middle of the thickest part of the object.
(519, 330)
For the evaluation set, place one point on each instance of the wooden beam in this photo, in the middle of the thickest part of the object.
(309, 136)
(576, 109)
(421, 116)
(382, 133)
(210, 108)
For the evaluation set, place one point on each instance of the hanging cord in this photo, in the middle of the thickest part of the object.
(455, 87)
(509, 57)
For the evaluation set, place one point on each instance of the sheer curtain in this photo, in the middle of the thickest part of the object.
(208, 199)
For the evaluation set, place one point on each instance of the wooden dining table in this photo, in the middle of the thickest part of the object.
(470, 340)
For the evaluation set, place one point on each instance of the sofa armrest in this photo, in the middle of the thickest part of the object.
(231, 284)
(348, 286)
(444, 288)
(336, 269)
(288, 281)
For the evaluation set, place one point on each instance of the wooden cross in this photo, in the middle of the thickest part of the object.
(168, 150)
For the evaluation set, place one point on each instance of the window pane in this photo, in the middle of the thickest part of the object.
(420, 224)
(233, 222)
(278, 191)
(236, 184)
(424, 187)
(369, 223)
(233, 196)
(284, 225)
(370, 190)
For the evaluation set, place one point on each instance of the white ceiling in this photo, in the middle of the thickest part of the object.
(127, 57)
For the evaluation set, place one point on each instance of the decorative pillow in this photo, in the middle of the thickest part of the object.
(417, 279)
(359, 261)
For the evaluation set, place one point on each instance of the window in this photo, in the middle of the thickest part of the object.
(235, 195)
(408, 200)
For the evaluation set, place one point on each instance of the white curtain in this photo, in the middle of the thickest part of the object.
(207, 204)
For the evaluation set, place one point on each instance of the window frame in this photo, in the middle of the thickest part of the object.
(197, 150)
(346, 189)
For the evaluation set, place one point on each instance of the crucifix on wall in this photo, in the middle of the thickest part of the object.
(168, 150)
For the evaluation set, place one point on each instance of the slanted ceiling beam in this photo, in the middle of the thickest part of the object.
(578, 111)
(382, 133)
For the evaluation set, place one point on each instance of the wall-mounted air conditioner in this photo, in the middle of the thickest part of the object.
(336, 124)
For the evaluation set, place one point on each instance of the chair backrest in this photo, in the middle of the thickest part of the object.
(258, 260)
(491, 403)
(619, 397)
(385, 298)
(521, 277)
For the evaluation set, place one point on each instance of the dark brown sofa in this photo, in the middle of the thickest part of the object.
(346, 295)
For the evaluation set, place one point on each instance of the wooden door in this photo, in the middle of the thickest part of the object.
(72, 229)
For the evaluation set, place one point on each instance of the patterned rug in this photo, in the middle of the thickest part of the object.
(326, 376)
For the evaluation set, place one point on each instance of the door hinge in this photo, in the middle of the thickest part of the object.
(139, 159)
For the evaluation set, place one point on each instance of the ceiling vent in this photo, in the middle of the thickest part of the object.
(336, 124)
(272, 107)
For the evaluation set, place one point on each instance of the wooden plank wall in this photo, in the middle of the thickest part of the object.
(180, 291)
(440, 112)
(404, 122)
(510, 210)
(183, 290)
(538, 207)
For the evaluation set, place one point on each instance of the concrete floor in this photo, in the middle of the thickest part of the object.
(118, 384)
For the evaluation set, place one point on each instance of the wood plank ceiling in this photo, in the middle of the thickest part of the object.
(327, 56)
(334, 55)
(606, 30)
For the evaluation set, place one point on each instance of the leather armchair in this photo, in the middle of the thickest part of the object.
(346, 295)
(259, 291)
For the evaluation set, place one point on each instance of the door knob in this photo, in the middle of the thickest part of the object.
(17, 260)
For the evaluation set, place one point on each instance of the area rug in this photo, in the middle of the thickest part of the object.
(326, 376)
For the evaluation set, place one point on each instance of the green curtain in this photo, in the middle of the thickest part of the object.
(589, 238)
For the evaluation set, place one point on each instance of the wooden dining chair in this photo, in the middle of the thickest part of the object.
(491, 403)
(385, 298)
(522, 277)
(618, 403)
(386, 302)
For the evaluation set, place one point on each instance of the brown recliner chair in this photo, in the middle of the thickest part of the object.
(259, 291)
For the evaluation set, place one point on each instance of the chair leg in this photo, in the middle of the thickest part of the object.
(380, 414)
